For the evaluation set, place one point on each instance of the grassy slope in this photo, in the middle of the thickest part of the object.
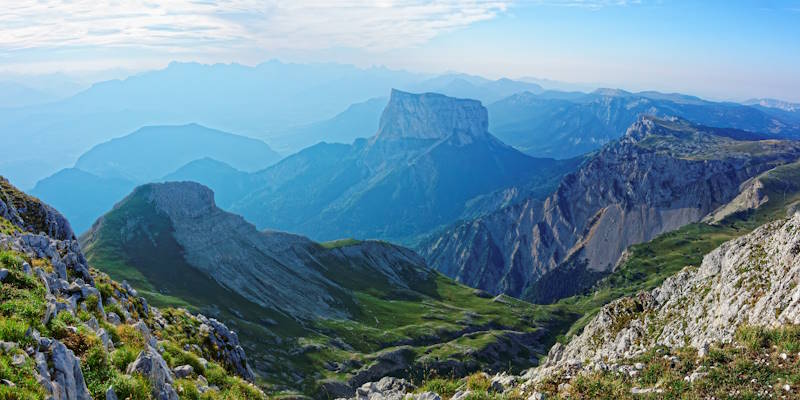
(294, 354)
(759, 364)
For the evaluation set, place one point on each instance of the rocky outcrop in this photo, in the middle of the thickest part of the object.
(31, 215)
(755, 192)
(660, 176)
(60, 371)
(750, 281)
(50, 263)
(226, 345)
(151, 365)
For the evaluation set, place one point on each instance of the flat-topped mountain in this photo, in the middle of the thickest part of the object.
(661, 175)
(431, 156)
(431, 116)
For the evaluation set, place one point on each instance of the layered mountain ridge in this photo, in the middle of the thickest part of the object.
(660, 176)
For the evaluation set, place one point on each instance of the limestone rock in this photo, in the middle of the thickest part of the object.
(151, 365)
(750, 280)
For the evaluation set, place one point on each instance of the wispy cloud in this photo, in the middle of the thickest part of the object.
(197, 25)
(590, 4)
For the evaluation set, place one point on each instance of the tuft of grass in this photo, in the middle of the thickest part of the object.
(123, 356)
(23, 377)
(479, 382)
(443, 387)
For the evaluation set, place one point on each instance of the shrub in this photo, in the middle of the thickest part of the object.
(175, 356)
(10, 260)
(79, 342)
(216, 375)
(59, 325)
(444, 387)
(106, 291)
(93, 304)
(752, 337)
(97, 371)
(123, 356)
(12, 329)
(134, 387)
(187, 389)
(478, 382)
(128, 335)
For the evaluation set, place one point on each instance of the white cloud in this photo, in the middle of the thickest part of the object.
(191, 26)
(591, 4)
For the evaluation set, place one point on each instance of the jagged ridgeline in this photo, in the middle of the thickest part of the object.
(323, 318)
(68, 331)
(661, 175)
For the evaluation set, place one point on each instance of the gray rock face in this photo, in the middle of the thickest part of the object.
(662, 175)
(183, 371)
(150, 364)
(67, 381)
(750, 280)
(226, 343)
(432, 116)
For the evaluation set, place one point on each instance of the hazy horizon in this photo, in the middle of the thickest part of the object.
(671, 46)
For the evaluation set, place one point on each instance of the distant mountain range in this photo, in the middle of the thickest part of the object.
(432, 159)
(567, 124)
(262, 101)
(107, 172)
(661, 175)
(551, 125)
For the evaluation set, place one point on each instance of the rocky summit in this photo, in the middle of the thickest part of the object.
(663, 174)
(69, 332)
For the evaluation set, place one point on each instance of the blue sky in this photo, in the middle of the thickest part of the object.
(717, 49)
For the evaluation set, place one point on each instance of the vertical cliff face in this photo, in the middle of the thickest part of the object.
(432, 116)
(661, 175)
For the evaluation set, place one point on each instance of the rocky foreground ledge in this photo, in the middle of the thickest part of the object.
(69, 332)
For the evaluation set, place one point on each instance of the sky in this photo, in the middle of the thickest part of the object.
(729, 50)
